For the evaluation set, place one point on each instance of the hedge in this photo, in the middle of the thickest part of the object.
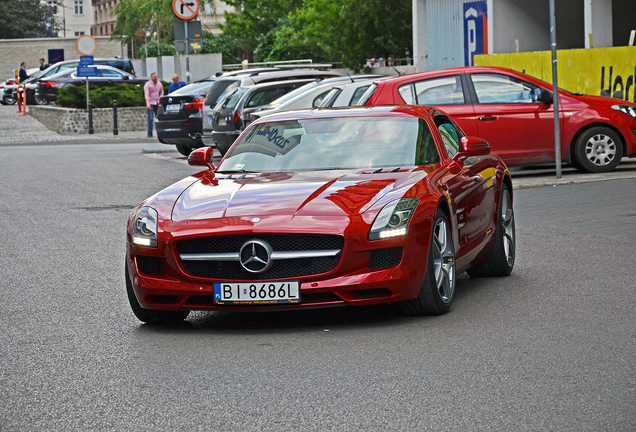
(127, 95)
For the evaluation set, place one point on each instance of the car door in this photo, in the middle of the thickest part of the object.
(448, 93)
(471, 188)
(518, 128)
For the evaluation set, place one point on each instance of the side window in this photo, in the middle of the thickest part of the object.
(357, 95)
(450, 135)
(503, 89)
(107, 73)
(427, 151)
(330, 98)
(366, 97)
(263, 97)
(407, 94)
(318, 99)
(440, 91)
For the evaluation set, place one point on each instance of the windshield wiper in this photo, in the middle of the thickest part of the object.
(241, 171)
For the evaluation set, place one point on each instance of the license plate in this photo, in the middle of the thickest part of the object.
(222, 121)
(173, 107)
(257, 293)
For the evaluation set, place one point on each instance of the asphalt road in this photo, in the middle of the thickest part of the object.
(550, 348)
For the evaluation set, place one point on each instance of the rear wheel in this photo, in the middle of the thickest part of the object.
(148, 315)
(501, 259)
(8, 99)
(598, 149)
(438, 289)
(40, 100)
(184, 149)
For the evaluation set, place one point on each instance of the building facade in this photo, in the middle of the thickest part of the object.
(446, 33)
(74, 17)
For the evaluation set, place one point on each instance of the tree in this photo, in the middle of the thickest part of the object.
(222, 43)
(347, 31)
(26, 19)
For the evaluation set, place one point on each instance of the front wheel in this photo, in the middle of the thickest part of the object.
(8, 99)
(39, 100)
(598, 149)
(501, 259)
(438, 288)
(148, 315)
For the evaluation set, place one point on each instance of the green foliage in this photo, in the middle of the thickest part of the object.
(167, 49)
(347, 31)
(127, 95)
(26, 19)
(222, 43)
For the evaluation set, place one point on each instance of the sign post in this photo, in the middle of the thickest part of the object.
(186, 10)
(86, 69)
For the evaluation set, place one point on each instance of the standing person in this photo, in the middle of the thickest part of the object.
(175, 84)
(153, 90)
(23, 73)
(43, 64)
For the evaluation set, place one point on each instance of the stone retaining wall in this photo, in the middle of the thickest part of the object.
(72, 121)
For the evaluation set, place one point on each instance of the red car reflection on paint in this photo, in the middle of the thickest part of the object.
(514, 113)
(331, 207)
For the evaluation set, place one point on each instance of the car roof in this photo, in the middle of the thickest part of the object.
(366, 111)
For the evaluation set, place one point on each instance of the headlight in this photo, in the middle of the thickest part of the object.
(393, 220)
(145, 227)
(627, 109)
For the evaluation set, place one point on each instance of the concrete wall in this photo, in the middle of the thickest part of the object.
(15, 51)
(71, 121)
(201, 66)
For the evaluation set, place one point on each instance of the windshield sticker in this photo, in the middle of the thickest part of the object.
(238, 167)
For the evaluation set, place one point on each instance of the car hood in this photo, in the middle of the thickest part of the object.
(601, 100)
(325, 193)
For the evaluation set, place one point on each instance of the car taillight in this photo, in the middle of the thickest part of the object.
(196, 104)
(47, 83)
(236, 119)
(10, 82)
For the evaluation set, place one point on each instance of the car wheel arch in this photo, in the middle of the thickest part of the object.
(588, 126)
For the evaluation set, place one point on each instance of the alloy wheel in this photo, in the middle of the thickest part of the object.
(600, 149)
(443, 260)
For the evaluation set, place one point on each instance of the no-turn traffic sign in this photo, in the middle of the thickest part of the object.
(186, 9)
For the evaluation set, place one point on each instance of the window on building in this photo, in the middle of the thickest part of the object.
(78, 34)
(79, 7)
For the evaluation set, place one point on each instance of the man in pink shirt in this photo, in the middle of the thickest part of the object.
(153, 90)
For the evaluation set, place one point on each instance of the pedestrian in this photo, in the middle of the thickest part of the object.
(153, 90)
(175, 84)
(23, 73)
(43, 64)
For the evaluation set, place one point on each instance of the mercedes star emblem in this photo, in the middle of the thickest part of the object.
(256, 256)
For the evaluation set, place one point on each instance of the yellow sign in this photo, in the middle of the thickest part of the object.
(599, 71)
(194, 45)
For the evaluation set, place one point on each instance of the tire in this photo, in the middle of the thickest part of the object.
(598, 149)
(8, 100)
(39, 100)
(148, 315)
(184, 149)
(438, 288)
(501, 259)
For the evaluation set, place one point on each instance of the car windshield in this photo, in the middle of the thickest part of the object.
(327, 144)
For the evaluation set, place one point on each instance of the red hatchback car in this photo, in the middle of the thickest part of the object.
(332, 207)
(514, 113)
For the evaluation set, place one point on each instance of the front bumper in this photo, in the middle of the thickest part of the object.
(356, 280)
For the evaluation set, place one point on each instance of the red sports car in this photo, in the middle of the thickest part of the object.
(514, 113)
(331, 207)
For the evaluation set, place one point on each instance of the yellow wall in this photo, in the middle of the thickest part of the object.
(598, 71)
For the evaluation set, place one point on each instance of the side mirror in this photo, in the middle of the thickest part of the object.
(473, 146)
(126, 77)
(202, 157)
(544, 96)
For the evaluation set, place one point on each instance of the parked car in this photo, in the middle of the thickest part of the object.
(514, 113)
(48, 87)
(31, 84)
(178, 119)
(309, 96)
(348, 94)
(232, 114)
(184, 126)
(8, 87)
(320, 208)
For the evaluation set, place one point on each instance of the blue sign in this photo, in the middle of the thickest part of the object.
(475, 30)
(87, 61)
(87, 71)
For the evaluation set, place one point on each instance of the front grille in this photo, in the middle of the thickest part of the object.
(149, 265)
(384, 258)
(280, 269)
